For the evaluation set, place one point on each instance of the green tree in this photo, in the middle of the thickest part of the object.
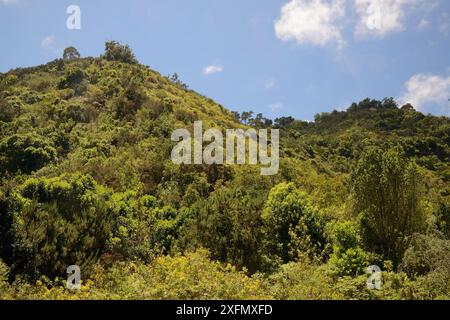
(10, 108)
(130, 98)
(114, 51)
(59, 222)
(71, 53)
(228, 223)
(284, 122)
(291, 224)
(6, 224)
(246, 116)
(175, 79)
(387, 190)
(74, 79)
(425, 254)
(26, 152)
(443, 218)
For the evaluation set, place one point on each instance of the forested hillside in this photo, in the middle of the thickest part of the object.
(87, 179)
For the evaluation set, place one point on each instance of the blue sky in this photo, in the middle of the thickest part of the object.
(277, 57)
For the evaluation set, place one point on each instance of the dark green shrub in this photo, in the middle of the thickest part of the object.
(114, 51)
(26, 152)
(59, 222)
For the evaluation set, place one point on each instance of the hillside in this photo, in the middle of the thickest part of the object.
(87, 179)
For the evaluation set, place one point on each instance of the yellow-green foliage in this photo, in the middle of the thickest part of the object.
(192, 276)
(302, 280)
(3, 277)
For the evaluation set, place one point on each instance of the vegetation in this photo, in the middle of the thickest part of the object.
(71, 53)
(86, 179)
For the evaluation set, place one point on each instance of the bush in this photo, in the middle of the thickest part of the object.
(142, 227)
(348, 259)
(292, 226)
(228, 223)
(10, 108)
(114, 51)
(6, 224)
(4, 285)
(132, 228)
(59, 222)
(74, 79)
(433, 286)
(351, 262)
(130, 99)
(3, 275)
(192, 276)
(26, 152)
(425, 254)
(301, 281)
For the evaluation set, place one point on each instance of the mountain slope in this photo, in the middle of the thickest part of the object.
(87, 177)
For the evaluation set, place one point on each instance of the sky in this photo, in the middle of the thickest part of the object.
(276, 57)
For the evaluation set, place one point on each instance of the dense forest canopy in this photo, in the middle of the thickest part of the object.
(86, 179)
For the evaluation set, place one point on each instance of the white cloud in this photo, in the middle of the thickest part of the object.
(48, 42)
(378, 18)
(425, 89)
(275, 107)
(212, 69)
(321, 22)
(315, 22)
(50, 45)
